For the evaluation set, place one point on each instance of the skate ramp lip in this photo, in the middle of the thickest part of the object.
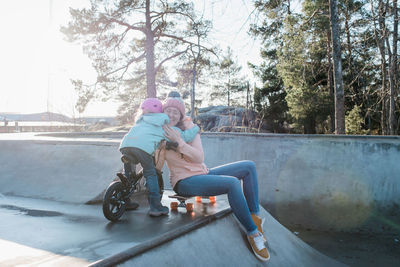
(160, 240)
(219, 241)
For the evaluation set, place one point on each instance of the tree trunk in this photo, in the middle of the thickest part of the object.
(353, 72)
(330, 82)
(247, 95)
(347, 29)
(192, 92)
(391, 90)
(393, 72)
(380, 40)
(150, 71)
(337, 70)
(229, 90)
(310, 125)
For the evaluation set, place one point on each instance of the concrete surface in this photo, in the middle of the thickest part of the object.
(72, 171)
(36, 232)
(223, 244)
(341, 182)
(361, 248)
(324, 182)
(319, 181)
(49, 233)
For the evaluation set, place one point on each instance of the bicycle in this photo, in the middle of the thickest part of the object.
(118, 192)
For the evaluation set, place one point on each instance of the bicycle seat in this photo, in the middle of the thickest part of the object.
(125, 158)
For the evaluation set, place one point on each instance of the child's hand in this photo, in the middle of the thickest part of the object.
(187, 123)
(171, 134)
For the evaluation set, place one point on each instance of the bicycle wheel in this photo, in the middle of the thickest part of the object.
(113, 201)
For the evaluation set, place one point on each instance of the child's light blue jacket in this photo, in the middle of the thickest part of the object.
(148, 132)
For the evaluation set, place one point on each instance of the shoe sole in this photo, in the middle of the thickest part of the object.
(157, 214)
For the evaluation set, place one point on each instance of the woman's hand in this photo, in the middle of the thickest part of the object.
(162, 145)
(171, 134)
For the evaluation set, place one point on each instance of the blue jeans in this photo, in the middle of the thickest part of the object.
(226, 179)
(149, 170)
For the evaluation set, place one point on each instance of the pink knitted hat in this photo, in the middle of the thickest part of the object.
(175, 102)
(153, 105)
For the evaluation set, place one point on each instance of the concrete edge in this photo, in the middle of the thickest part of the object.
(155, 242)
(120, 134)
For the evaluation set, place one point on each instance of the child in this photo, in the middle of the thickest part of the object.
(142, 140)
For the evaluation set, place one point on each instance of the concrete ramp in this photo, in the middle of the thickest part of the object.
(77, 171)
(223, 243)
(68, 171)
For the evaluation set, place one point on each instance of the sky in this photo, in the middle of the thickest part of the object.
(37, 63)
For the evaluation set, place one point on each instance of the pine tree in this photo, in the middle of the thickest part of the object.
(129, 42)
(228, 81)
(355, 121)
(270, 99)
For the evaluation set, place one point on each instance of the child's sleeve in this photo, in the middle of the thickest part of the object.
(189, 134)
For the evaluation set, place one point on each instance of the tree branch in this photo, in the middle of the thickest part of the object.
(169, 58)
(183, 41)
(127, 65)
(131, 27)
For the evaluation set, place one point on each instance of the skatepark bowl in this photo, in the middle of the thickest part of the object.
(51, 188)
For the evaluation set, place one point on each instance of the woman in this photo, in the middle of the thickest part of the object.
(189, 176)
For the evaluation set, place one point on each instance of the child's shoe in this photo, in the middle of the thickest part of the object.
(156, 208)
(259, 222)
(257, 245)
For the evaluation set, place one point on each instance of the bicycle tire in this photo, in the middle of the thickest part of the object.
(113, 201)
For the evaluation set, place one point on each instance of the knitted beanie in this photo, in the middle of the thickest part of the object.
(174, 100)
(153, 105)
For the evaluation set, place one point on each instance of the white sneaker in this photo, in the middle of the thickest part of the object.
(258, 247)
(259, 222)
